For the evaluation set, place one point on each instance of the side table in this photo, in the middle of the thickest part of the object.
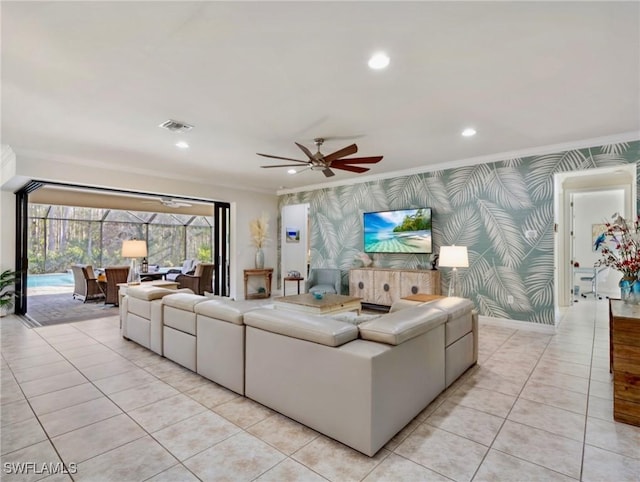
(290, 278)
(267, 274)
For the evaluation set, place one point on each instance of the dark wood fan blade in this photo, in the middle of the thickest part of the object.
(285, 165)
(328, 172)
(346, 167)
(306, 151)
(357, 160)
(345, 151)
(278, 157)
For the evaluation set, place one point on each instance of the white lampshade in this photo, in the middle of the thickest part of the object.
(134, 248)
(454, 257)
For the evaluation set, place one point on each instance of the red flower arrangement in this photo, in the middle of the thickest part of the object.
(623, 251)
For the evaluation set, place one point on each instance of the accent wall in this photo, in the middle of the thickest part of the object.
(502, 211)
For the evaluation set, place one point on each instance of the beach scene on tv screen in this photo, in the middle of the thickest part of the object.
(401, 231)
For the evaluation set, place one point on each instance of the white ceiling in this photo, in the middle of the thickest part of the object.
(91, 81)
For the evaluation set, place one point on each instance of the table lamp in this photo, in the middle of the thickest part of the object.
(134, 248)
(454, 257)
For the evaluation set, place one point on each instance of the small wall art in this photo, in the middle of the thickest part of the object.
(292, 235)
(598, 236)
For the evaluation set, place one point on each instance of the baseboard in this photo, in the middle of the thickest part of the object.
(517, 324)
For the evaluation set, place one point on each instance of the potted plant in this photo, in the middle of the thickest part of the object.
(623, 254)
(7, 293)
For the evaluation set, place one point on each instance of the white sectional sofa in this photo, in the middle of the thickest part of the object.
(359, 384)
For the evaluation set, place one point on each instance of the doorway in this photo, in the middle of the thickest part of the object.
(202, 226)
(567, 187)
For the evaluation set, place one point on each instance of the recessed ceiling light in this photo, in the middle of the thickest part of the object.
(468, 132)
(379, 61)
(182, 145)
(291, 171)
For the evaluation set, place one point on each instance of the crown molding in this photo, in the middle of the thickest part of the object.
(471, 161)
(47, 157)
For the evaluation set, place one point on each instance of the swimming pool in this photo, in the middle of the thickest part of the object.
(50, 279)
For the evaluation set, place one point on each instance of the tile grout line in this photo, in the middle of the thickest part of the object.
(97, 388)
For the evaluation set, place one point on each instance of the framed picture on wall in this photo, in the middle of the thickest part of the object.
(598, 236)
(292, 235)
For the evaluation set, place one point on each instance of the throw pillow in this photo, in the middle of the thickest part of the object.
(353, 318)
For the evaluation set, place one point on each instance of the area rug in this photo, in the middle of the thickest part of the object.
(53, 309)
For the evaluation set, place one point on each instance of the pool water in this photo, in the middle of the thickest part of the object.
(51, 279)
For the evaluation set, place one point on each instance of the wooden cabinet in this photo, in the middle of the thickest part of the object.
(361, 284)
(386, 287)
(625, 354)
(414, 282)
(383, 286)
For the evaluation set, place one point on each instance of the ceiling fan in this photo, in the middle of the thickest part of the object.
(169, 202)
(320, 162)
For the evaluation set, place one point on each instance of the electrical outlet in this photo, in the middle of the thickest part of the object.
(510, 299)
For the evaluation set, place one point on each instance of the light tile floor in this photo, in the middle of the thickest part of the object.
(537, 407)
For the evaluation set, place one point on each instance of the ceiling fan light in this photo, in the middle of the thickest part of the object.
(182, 145)
(379, 61)
(291, 171)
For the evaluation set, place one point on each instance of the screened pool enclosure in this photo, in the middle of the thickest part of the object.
(59, 236)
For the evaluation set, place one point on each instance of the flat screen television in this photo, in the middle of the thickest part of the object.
(398, 231)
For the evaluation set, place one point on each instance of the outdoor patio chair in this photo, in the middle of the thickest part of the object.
(200, 281)
(86, 286)
(115, 275)
(188, 267)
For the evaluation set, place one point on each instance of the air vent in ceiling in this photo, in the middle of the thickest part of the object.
(175, 126)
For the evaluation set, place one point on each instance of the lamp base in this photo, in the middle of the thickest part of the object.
(134, 275)
(454, 283)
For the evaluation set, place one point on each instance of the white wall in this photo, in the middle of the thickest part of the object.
(294, 255)
(245, 205)
(589, 208)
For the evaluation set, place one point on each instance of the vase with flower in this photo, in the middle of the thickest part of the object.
(622, 253)
(259, 230)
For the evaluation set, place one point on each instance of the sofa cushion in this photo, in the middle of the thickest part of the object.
(400, 326)
(148, 293)
(141, 307)
(183, 301)
(317, 329)
(231, 311)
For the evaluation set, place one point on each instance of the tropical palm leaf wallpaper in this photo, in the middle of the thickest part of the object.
(486, 207)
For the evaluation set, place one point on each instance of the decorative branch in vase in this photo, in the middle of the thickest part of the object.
(259, 230)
